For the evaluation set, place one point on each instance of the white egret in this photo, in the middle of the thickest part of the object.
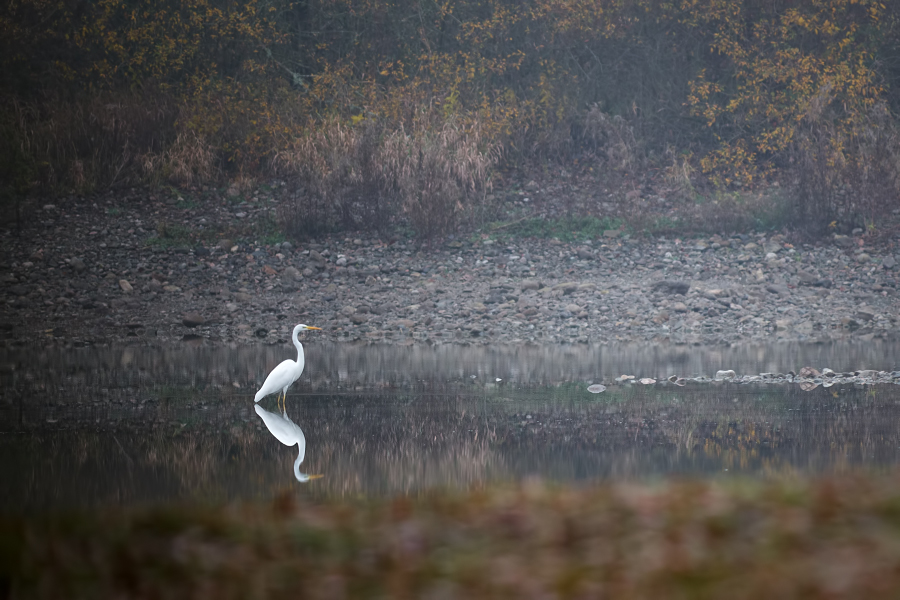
(287, 432)
(287, 372)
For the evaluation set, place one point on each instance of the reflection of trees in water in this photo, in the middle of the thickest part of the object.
(708, 428)
(217, 449)
(111, 372)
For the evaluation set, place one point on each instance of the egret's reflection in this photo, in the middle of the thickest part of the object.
(288, 434)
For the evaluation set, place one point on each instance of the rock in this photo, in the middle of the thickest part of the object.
(865, 313)
(317, 259)
(348, 310)
(806, 277)
(672, 287)
(192, 320)
(782, 324)
(126, 287)
(358, 318)
(573, 308)
(863, 257)
(566, 287)
(77, 264)
(291, 274)
(842, 240)
(596, 388)
(680, 307)
(849, 323)
(888, 262)
(611, 233)
(727, 374)
(370, 280)
(808, 372)
(530, 284)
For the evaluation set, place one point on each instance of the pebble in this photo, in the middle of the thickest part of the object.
(193, 320)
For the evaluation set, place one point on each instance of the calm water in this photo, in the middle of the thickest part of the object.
(96, 427)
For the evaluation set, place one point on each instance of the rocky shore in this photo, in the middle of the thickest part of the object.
(132, 267)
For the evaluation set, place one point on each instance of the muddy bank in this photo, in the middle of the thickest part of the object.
(136, 268)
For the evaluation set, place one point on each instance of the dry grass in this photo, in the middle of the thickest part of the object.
(830, 538)
(439, 174)
(334, 169)
(366, 176)
(190, 160)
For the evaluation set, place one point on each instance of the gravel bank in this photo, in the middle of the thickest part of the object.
(135, 268)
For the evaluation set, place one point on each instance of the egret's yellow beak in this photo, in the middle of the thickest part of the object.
(316, 476)
(311, 327)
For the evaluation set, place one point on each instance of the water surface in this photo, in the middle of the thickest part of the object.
(122, 426)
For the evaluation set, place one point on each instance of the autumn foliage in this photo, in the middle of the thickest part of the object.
(376, 110)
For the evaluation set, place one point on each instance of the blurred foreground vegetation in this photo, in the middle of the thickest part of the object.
(376, 111)
(827, 538)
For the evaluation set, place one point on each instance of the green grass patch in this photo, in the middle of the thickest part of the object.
(567, 229)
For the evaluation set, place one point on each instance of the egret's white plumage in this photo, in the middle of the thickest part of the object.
(288, 433)
(285, 374)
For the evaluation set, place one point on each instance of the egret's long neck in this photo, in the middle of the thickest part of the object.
(299, 346)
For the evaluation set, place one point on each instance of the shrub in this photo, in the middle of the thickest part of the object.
(364, 175)
(438, 175)
(337, 183)
(844, 172)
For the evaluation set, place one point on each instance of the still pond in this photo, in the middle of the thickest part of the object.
(94, 427)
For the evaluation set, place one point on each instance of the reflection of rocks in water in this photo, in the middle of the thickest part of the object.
(108, 373)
